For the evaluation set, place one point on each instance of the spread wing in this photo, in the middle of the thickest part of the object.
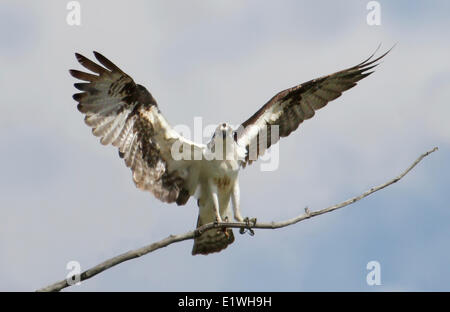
(126, 115)
(289, 108)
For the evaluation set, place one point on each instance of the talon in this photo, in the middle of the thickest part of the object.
(249, 222)
(248, 226)
(243, 230)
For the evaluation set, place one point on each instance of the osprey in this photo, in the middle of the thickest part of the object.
(126, 115)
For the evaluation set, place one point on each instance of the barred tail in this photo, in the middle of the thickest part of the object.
(213, 240)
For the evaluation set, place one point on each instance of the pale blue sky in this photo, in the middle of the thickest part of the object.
(65, 197)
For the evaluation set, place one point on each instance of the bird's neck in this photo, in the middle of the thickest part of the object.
(226, 150)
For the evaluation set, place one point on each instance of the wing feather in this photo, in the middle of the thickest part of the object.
(289, 108)
(126, 115)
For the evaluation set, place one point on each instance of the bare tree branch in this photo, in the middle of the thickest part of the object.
(242, 225)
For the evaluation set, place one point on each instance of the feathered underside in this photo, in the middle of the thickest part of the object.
(126, 115)
(289, 108)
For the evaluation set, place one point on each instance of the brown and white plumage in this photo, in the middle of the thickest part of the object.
(126, 115)
(289, 108)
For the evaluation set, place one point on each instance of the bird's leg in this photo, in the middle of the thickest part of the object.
(225, 230)
(235, 199)
(215, 199)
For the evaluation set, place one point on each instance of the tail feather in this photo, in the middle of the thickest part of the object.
(213, 240)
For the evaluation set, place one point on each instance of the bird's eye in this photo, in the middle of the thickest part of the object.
(235, 136)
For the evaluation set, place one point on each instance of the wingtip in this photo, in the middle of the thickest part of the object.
(98, 55)
(376, 50)
(82, 86)
(106, 62)
(370, 58)
(369, 61)
(395, 44)
(77, 96)
(79, 56)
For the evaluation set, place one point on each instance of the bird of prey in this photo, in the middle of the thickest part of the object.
(126, 115)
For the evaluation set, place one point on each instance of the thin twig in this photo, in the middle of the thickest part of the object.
(248, 225)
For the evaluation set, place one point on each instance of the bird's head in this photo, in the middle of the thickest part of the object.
(223, 140)
(224, 132)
